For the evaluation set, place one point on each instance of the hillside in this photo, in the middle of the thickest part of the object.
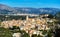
(4, 9)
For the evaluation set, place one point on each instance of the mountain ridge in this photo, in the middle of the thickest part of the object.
(4, 9)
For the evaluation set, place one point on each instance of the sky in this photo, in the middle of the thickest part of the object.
(32, 3)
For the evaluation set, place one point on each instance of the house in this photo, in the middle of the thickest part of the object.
(16, 35)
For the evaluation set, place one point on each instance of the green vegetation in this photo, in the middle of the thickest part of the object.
(5, 17)
(8, 32)
(44, 32)
(5, 32)
(57, 16)
(25, 35)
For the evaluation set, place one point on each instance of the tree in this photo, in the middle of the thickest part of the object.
(57, 15)
(50, 16)
(34, 35)
(5, 32)
(25, 35)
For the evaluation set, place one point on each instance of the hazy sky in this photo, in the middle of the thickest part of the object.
(32, 3)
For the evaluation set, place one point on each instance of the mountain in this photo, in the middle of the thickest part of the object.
(4, 9)
(27, 10)
(49, 10)
(38, 11)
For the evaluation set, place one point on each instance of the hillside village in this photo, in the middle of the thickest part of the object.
(31, 26)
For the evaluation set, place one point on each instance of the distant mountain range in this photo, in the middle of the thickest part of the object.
(4, 9)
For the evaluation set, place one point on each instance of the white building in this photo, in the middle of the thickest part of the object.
(16, 35)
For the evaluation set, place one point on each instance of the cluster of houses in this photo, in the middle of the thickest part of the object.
(31, 25)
